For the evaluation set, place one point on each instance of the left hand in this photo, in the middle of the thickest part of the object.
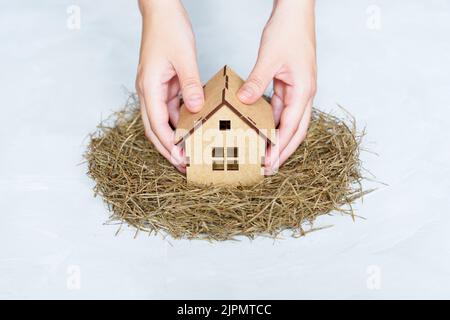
(287, 55)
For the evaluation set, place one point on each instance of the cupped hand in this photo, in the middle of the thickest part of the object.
(287, 55)
(167, 65)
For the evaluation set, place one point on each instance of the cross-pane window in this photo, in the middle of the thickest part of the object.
(224, 125)
(222, 161)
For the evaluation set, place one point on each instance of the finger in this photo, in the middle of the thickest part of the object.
(277, 108)
(277, 100)
(191, 86)
(268, 163)
(173, 101)
(154, 139)
(173, 88)
(296, 101)
(296, 140)
(173, 107)
(257, 82)
(158, 117)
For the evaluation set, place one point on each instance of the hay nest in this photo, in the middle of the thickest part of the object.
(143, 190)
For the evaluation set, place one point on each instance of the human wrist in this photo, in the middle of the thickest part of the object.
(296, 5)
(296, 15)
(149, 6)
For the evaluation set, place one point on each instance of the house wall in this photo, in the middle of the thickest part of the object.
(199, 146)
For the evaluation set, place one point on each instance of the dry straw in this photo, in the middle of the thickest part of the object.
(143, 190)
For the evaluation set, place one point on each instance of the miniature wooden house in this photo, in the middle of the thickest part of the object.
(225, 143)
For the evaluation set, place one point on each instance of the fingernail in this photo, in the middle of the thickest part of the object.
(195, 101)
(245, 93)
(274, 165)
(176, 156)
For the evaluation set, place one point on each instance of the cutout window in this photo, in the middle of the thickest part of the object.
(232, 159)
(224, 125)
(232, 165)
(218, 165)
(220, 159)
(232, 152)
(217, 152)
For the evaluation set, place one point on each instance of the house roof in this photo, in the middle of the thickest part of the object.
(221, 90)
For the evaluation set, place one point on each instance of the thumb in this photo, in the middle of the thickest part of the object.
(191, 86)
(256, 84)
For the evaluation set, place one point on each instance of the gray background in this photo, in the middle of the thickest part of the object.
(387, 62)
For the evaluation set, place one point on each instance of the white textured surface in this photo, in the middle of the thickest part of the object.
(57, 84)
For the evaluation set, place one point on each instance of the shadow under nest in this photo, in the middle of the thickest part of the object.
(143, 190)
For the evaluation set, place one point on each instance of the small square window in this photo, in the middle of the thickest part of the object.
(224, 125)
(217, 152)
(232, 152)
(232, 165)
(218, 165)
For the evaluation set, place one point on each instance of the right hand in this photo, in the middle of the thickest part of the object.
(287, 56)
(167, 65)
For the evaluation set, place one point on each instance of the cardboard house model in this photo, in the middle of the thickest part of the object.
(225, 143)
